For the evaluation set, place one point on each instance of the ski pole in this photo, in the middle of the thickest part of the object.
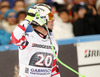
(37, 15)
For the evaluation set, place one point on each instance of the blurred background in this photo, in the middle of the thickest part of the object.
(73, 18)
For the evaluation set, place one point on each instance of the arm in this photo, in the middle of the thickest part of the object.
(18, 35)
(55, 69)
(93, 10)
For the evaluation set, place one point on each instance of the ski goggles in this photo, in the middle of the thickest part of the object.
(12, 16)
(50, 16)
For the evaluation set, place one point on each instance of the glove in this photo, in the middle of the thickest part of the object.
(31, 14)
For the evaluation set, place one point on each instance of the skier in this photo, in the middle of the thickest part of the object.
(36, 57)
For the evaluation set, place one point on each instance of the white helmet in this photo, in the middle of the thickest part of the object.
(45, 13)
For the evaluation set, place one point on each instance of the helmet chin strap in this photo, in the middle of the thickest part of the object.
(48, 29)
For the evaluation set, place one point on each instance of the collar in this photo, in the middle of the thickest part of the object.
(40, 34)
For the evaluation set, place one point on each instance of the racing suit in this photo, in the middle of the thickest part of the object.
(36, 57)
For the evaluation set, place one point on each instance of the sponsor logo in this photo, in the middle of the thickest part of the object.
(42, 46)
(40, 9)
(41, 17)
(92, 53)
(38, 71)
(26, 70)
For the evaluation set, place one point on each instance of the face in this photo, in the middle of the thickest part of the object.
(81, 12)
(19, 6)
(40, 1)
(3, 10)
(64, 16)
(5, 3)
(50, 24)
(11, 18)
(21, 17)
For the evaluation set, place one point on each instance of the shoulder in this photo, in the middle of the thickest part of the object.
(30, 34)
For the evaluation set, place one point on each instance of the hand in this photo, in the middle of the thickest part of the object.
(31, 14)
(93, 10)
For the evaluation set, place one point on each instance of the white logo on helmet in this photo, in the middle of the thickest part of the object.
(43, 12)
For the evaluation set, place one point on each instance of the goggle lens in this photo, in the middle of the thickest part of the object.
(10, 16)
(50, 15)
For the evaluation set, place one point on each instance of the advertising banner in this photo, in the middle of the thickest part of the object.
(88, 54)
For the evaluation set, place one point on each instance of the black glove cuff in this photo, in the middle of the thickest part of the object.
(31, 14)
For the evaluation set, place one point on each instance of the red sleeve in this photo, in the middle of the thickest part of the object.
(18, 35)
(55, 69)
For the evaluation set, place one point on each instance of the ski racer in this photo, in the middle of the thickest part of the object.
(36, 57)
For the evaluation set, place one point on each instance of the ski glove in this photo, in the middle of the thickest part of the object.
(31, 13)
